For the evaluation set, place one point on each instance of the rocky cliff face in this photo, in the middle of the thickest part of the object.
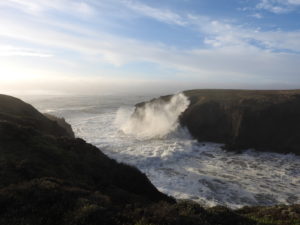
(264, 120)
(242, 119)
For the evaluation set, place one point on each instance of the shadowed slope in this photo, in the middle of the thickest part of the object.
(19, 112)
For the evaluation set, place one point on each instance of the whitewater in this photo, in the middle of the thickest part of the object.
(175, 163)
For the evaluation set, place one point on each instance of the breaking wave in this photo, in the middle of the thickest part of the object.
(155, 119)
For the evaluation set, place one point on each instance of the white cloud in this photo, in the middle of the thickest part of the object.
(229, 50)
(220, 34)
(292, 2)
(163, 15)
(216, 33)
(75, 7)
(242, 60)
(278, 6)
(257, 15)
(8, 50)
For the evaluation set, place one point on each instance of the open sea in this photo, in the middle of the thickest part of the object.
(175, 163)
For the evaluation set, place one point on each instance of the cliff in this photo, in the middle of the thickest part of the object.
(48, 177)
(242, 119)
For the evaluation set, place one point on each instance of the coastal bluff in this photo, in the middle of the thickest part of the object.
(16, 111)
(47, 176)
(265, 120)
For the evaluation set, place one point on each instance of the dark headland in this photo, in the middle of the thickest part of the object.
(265, 120)
(49, 177)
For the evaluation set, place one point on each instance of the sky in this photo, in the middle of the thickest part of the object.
(107, 46)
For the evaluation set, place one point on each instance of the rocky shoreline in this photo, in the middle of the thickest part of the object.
(50, 177)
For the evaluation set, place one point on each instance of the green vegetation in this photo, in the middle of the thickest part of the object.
(273, 215)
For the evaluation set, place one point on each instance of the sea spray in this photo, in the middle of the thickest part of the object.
(155, 119)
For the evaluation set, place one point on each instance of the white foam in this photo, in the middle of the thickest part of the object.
(155, 119)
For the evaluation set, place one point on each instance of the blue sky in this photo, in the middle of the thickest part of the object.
(92, 46)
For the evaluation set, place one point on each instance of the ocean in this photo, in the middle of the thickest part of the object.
(175, 163)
